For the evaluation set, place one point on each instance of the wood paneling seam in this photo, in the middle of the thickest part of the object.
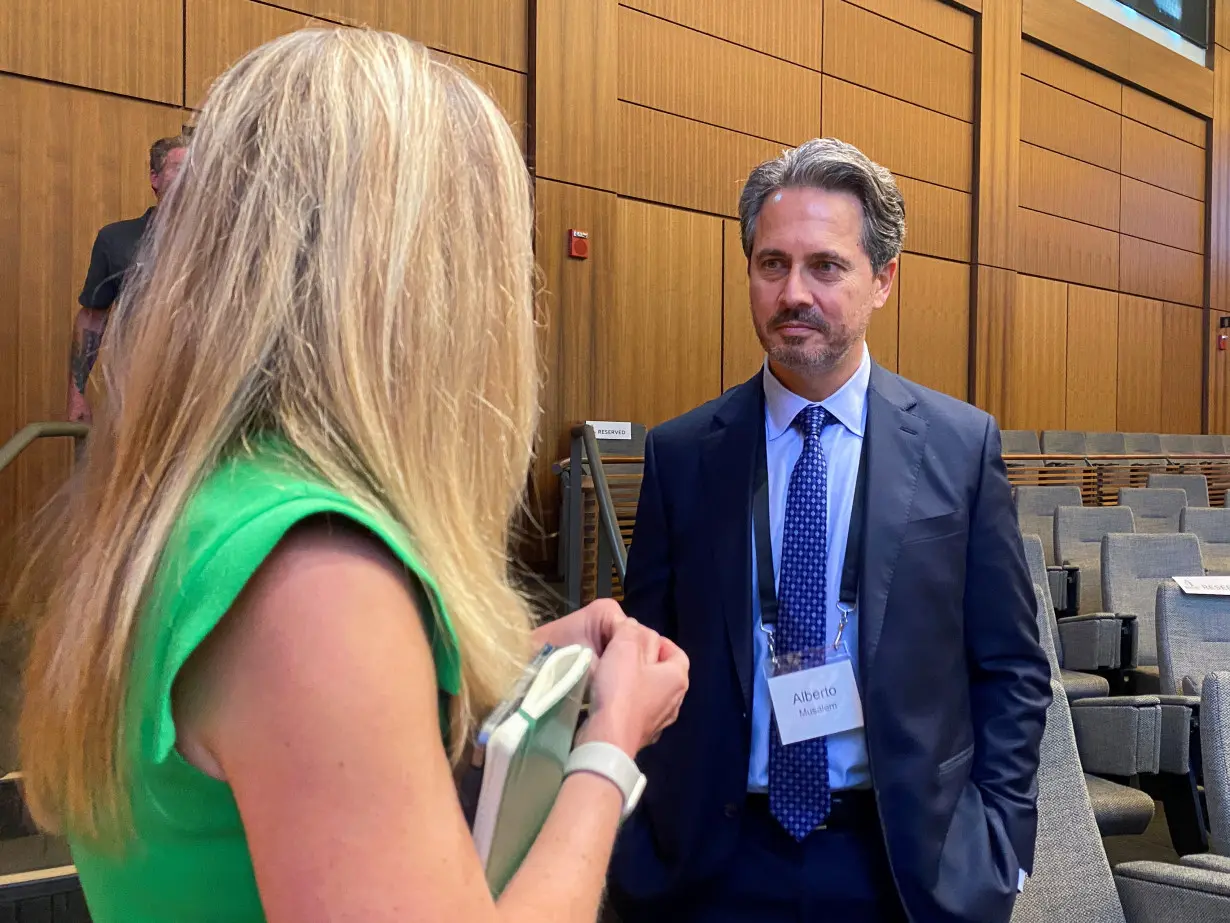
(676, 115)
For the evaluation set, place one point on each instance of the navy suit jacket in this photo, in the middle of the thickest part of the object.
(954, 683)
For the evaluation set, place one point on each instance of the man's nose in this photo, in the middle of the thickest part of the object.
(795, 292)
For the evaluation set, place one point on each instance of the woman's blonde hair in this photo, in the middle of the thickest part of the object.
(345, 260)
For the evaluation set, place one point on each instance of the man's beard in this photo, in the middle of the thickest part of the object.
(805, 355)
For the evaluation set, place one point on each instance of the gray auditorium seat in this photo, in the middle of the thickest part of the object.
(1078, 541)
(1085, 642)
(1020, 442)
(1117, 735)
(1215, 744)
(1195, 485)
(1211, 525)
(1063, 442)
(1133, 567)
(1035, 512)
(1209, 445)
(1155, 509)
(1105, 444)
(1071, 877)
(1193, 638)
(1177, 444)
(1142, 443)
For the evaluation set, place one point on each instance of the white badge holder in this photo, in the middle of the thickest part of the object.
(814, 691)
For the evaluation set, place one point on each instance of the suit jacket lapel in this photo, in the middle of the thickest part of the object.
(896, 437)
(727, 460)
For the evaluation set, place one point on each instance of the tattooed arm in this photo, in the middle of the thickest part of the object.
(87, 337)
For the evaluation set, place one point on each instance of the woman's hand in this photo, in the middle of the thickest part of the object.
(638, 687)
(592, 626)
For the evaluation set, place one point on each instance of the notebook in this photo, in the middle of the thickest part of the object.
(521, 752)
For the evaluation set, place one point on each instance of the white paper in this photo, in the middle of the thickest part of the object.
(816, 702)
(607, 430)
(1204, 586)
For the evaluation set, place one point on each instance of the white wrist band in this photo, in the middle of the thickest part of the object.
(610, 762)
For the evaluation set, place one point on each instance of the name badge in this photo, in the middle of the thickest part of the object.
(815, 702)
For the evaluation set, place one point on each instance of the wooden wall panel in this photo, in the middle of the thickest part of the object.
(933, 332)
(573, 294)
(1182, 342)
(937, 219)
(1219, 232)
(787, 29)
(131, 47)
(1069, 188)
(1063, 123)
(1056, 248)
(1140, 369)
(999, 132)
(1047, 67)
(494, 31)
(1093, 359)
(742, 354)
(1158, 271)
(882, 334)
(889, 131)
(948, 24)
(1165, 217)
(679, 70)
(668, 292)
(1037, 358)
(873, 52)
(1080, 31)
(1149, 110)
(1157, 158)
(996, 294)
(220, 32)
(666, 158)
(575, 87)
(71, 160)
(1088, 35)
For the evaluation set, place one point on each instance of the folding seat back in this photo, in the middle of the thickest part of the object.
(1142, 443)
(1215, 744)
(1211, 525)
(1072, 879)
(1208, 445)
(1078, 541)
(1133, 567)
(1020, 442)
(1063, 442)
(1156, 509)
(1196, 486)
(1177, 444)
(1035, 512)
(1193, 638)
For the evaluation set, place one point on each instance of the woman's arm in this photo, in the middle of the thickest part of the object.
(316, 700)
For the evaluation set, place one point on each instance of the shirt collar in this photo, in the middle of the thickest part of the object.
(847, 404)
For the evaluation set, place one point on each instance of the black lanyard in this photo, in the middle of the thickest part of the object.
(851, 569)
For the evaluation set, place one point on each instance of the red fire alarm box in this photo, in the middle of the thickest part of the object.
(1221, 341)
(578, 244)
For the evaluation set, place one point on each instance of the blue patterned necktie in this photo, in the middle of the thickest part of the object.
(799, 795)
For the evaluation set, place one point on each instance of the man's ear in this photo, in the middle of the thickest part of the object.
(882, 284)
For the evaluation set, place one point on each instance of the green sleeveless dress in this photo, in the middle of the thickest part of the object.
(186, 859)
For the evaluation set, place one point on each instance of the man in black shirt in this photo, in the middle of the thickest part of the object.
(114, 249)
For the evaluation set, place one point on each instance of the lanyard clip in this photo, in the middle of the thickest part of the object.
(844, 609)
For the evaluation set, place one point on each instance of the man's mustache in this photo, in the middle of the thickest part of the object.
(801, 317)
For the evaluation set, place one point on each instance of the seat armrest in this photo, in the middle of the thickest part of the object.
(1065, 581)
(1207, 860)
(1179, 729)
(1153, 891)
(1098, 641)
(1118, 735)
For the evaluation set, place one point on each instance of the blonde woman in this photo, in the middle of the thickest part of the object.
(278, 601)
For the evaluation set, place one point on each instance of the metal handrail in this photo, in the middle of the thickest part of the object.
(48, 429)
(610, 541)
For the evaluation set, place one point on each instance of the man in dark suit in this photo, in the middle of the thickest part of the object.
(113, 252)
(922, 807)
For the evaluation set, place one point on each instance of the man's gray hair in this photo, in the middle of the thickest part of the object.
(826, 163)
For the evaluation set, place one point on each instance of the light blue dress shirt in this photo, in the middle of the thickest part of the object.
(842, 445)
